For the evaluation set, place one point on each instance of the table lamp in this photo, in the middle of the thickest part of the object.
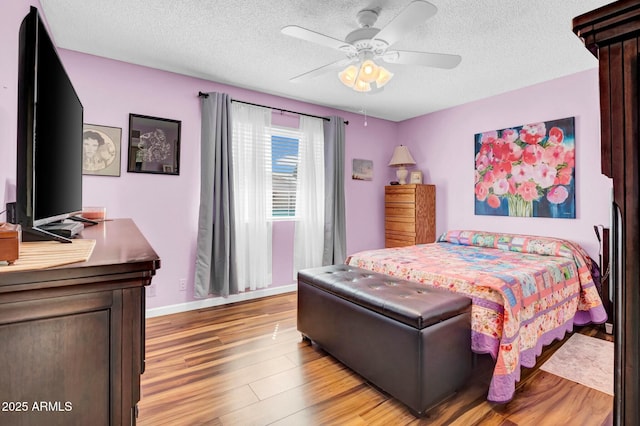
(401, 158)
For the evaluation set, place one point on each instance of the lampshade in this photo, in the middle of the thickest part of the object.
(348, 75)
(369, 71)
(401, 156)
(365, 77)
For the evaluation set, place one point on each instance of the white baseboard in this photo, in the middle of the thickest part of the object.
(217, 301)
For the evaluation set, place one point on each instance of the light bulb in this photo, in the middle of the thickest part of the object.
(369, 71)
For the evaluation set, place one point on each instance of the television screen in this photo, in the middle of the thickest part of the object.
(50, 118)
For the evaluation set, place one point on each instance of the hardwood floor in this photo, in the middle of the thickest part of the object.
(246, 364)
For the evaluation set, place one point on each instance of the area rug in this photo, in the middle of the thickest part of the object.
(585, 360)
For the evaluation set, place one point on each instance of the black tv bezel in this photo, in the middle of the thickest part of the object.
(32, 32)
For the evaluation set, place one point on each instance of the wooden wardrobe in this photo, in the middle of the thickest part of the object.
(612, 34)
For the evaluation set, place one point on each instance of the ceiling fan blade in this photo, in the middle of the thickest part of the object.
(314, 37)
(415, 13)
(437, 60)
(322, 70)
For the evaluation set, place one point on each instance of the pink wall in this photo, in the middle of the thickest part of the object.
(442, 144)
(165, 208)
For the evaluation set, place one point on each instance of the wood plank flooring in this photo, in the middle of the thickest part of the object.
(246, 364)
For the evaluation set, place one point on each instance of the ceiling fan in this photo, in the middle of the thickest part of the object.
(367, 44)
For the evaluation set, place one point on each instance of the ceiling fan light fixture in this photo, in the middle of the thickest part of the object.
(369, 71)
(348, 76)
(384, 76)
(361, 78)
(361, 86)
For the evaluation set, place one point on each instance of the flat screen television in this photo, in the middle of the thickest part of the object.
(49, 143)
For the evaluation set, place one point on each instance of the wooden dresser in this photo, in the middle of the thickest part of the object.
(410, 215)
(73, 336)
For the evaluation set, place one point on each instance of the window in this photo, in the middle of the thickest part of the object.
(267, 168)
(284, 160)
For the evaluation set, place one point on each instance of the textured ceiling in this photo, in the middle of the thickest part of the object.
(505, 45)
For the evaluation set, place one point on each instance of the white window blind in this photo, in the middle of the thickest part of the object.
(284, 168)
(279, 153)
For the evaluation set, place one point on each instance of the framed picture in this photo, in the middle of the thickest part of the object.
(154, 145)
(101, 147)
(362, 169)
(416, 177)
(527, 170)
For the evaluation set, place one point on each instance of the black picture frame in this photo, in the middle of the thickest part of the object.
(154, 145)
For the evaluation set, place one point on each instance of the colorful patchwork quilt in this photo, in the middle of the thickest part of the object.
(526, 291)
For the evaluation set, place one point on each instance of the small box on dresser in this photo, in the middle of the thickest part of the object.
(10, 236)
(410, 215)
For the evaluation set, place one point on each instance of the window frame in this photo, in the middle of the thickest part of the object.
(291, 133)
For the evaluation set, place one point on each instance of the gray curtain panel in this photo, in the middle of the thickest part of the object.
(335, 235)
(215, 269)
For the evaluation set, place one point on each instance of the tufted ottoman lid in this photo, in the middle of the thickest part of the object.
(414, 304)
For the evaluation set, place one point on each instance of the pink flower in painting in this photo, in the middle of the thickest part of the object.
(489, 177)
(544, 175)
(515, 152)
(500, 186)
(485, 149)
(502, 169)
(509, 135)
(522, 173)
(532, 134)
(528, 191)
(500, 149)
(556, 136)
(482, 162)
(493, 201)
(570, 158)
(532, 154)
(553, 155)
(557, 194)
(564, 176)
(487, 137)
(482, 190)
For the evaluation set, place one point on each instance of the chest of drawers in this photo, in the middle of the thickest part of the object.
(410, 215)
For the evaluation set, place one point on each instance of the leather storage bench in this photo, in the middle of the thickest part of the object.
(410, 340)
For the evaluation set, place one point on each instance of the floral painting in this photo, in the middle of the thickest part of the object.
(527, 170)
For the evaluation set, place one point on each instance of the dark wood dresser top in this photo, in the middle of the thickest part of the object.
(120, 249)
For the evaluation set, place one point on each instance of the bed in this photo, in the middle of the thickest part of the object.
(526, 291)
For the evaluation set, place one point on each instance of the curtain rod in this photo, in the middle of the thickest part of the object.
(206, 95)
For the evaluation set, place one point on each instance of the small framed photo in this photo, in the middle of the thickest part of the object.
(154, 145)
(362, 169)
(101, 150)
(416, 177)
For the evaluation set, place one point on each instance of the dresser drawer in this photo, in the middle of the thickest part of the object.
(400, 197)
(394, 210)
(398, 240)
(408, 227)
